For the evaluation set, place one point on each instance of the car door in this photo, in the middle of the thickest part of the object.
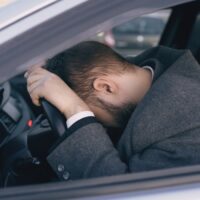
(44, 38)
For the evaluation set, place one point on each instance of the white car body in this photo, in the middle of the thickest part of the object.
(16, 55)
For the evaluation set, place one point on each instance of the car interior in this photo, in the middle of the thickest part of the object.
(28, 132)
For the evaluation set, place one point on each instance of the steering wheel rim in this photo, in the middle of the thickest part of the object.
(56, 119)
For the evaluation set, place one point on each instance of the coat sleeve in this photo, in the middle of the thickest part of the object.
(179, 150)
(87, 152)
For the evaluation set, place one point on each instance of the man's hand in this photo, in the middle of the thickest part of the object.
(42, 83)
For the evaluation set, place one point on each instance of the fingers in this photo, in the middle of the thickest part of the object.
(35, 87)
(32, 86)
(38, 65)
(39, 84)
(34, 92)
(34, 68)
(34, 71)
(34, 77)
(35, 100)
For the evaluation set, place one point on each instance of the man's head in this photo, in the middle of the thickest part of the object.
(107, 82)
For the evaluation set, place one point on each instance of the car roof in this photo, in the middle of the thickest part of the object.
(59, 25)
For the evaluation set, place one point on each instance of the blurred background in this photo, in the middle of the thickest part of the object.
(133, 37)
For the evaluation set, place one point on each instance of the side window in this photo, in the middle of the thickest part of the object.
(136, 35)
(194, 41)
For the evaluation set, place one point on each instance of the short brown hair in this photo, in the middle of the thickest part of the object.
(81, 64)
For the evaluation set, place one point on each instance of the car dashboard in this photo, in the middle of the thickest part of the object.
(15, 115)
(25, 136)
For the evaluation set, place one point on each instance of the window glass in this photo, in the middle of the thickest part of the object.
(194, 41)
(144, 25)
(136, 35)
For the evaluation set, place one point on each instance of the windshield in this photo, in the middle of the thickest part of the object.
(12, 10)
(143, 25)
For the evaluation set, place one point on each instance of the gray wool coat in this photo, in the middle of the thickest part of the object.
(163, 131)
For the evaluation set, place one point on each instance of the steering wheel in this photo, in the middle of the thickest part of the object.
(56, 119)
(18, 163)
(40, 143)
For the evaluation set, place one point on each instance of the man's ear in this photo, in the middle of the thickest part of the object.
(105, 85)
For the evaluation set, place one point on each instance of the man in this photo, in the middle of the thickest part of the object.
(154, 97)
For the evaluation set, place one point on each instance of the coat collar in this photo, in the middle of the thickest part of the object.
(160, 114)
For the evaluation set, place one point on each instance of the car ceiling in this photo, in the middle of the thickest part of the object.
(70, 27)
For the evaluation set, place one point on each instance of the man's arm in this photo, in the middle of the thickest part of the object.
(88, 151)
(44, 84)
(176, 151)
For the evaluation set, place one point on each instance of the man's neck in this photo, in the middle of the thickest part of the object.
(144, 78)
